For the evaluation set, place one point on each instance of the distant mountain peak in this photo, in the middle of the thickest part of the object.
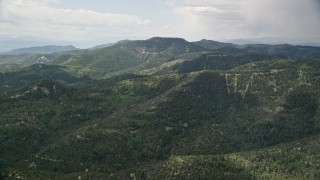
(156, 40)
(161, 44)
(166, 38)
(211, 44)
(42, 49)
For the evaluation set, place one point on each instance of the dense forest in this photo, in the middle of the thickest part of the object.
(162, 108)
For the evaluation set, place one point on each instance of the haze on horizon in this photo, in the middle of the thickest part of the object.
(86, 23)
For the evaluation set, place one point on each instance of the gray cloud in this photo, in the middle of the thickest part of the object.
(220, 19)
(292, 18)
(1, 8)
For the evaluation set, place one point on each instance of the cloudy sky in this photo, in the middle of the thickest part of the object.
(88, 22)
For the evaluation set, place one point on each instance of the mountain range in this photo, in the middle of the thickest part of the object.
(41, 49)
(161, 108)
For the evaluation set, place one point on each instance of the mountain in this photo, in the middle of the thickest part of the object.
(36, 58)
(243, 41)
(8, 43)
(311, 44)
(287, 50)
(147, 56)
(129, 56)
(194, 112)
(210, 44)
(274, 41)
(42, 49)
(102, 46)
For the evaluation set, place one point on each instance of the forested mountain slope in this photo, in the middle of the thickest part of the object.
(129, 56)
(193, 113)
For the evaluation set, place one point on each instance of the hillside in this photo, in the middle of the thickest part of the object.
(12, 81)
(162, 108)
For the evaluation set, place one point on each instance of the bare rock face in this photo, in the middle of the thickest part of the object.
(279, 109)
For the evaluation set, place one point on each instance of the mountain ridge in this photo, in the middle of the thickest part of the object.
(41, 49)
